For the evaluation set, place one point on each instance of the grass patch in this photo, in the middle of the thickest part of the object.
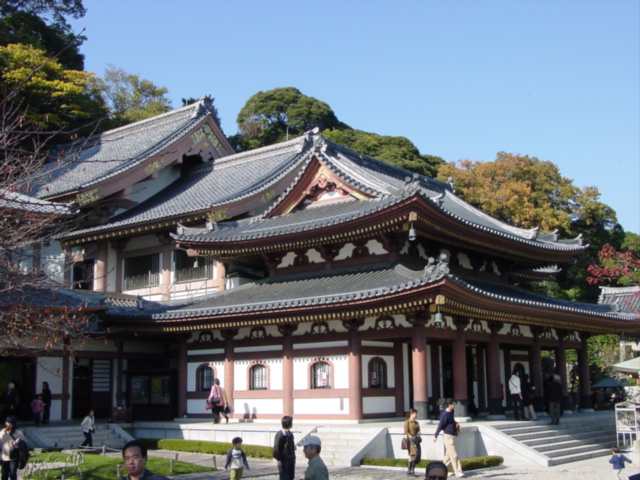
(98, 467)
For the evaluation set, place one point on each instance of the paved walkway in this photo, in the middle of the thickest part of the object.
(595, 468)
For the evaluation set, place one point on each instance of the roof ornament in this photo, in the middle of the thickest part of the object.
(433, 271)
(451, 184)
(411, 184)
(438, 199)
(210, 226)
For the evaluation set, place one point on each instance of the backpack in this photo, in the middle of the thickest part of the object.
(23, 456)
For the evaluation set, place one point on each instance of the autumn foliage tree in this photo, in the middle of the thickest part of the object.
(616, 267)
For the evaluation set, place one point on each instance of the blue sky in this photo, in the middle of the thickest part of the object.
(554, 79)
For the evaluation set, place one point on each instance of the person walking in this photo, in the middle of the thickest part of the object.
(216, 400)
(46, 400)
(316, 470)
(554, 393)
(11, 436)
(412, 433)
(10, 401)
(515, 390)
(36, 409)
(618, 460)
(134, 454)
(88, 427)
(284, 449)
(236, 460)
(225, 410)
(528, 390)
(449, 427)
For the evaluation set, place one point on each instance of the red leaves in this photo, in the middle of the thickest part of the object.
(615, 267)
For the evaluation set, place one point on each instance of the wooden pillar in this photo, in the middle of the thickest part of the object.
(287, 367)
(459, 353)
(493, 370)
(585, 378)
(120, 373)
(419, 362)
(355, 368)
(535, 369)
(398, 373)
(182, 377)
(561, 365)
(66, 380)
(436, 380)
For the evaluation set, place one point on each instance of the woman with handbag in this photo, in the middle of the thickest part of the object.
(412, 434)
(216, 400)
(88, 427)
(10, 449)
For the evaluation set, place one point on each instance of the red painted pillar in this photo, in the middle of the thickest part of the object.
(287, 367)
(182, 377)
(355, 368)
(419, 363)
(535, 369)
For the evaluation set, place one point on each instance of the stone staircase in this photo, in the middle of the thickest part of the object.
(571, 441)
(69, 436)
(337, 443)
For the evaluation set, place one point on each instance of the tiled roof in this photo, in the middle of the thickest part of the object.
(229, 179)
(318, 289)
(18, 201)
(102, 156)
(623, 299)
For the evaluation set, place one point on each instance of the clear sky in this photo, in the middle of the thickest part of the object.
(555, 79)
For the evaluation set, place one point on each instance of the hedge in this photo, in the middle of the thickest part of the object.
(200, 446)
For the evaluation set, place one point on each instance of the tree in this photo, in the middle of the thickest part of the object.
(616, 267)
(272, 116)
(56, 9)
(398, 151)
(130, 98)
(528, 193)
(35, 313)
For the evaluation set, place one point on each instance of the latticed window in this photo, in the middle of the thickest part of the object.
(377, 373)
(258, 377)
(205, 378)
(320, 375)
(188, 269)
(141, 272)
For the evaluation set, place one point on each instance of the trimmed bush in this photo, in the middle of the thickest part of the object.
(213, 448)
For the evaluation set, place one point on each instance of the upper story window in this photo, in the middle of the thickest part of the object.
(83, 275)
(320, 375)
(187, 269)
(377, 373)
(204, 378)
(142, 271)
(258, 377)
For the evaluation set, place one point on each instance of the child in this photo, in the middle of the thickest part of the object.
(618, 462)
(236, 460)
(36, 408)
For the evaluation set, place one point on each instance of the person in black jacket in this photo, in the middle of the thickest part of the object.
(284, 449)
(46, 399)
(449, 426)
(554, 393)
(10, 401)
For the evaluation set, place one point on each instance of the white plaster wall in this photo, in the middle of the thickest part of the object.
(305, 346)
(191, 374)
(322, 406)
(274, 370)
(164, 176)
(376, 248)
(257, 406)
(301, 372)
(378, 404)
(210, 351)
(49, 369)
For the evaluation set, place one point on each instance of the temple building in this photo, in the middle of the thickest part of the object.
(310, 279)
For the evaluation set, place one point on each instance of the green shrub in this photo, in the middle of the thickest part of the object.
(213, 448)
(467, 463)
